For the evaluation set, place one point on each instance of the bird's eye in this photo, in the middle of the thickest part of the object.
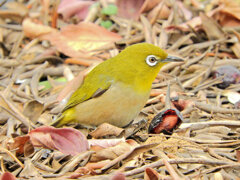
(151, 60)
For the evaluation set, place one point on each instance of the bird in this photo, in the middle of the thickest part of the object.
(116, 90)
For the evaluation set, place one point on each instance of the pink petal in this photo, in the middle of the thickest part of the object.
(66, 140)
(69, 8)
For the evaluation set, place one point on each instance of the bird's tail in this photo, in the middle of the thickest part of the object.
(65, 118)
(58, 122)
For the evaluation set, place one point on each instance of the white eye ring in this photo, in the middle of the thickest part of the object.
(151, 60)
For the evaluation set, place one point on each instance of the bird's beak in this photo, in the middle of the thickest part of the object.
(172, 59)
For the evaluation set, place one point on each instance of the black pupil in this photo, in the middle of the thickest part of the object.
(152, 59)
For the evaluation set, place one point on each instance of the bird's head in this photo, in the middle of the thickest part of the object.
(145, 59)
(139, 65)
(147, 56)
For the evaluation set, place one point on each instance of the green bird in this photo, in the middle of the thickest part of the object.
(116, 90)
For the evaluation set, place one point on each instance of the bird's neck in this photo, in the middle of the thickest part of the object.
(141, 83)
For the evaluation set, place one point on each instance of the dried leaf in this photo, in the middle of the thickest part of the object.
(229, 16)
(105, 143)
(186, 12)
(218, 176)
(11, 14)
(80, 40)
(194, 22)
(68, 8)
(29, 170)
(28, 149)
(212, 29)
(129, 9)
(34, 30)
(33, 110)
(97, 165)
(129, 155)
(232, 96)
(162, 14)
(66, 140)
(238, 155)
(111, 152)
(19, 143)
(106, 129)
(17, 7)
(236, 49)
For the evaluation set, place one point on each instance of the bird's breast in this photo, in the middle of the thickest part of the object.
(119, 105)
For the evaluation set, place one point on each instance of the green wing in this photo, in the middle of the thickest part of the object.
(93, 86)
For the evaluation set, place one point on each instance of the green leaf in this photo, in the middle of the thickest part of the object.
(47, 85)
(111, 9)
(107, 24)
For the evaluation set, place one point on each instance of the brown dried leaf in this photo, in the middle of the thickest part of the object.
(34, 30)
(96, 165)
(17, 7)
(238, 155)
(106, 129)
(105, 143)
(19, 143)
(149, 4)
(33, 110)
(162, 14)
(194, 22)
(129, 155)
(111, 152)
(29, 170)
(212, 29)
(236, 49)
(28, 149)
(11, 14)
(229, 16)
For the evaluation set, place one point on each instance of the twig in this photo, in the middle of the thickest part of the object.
(43, 59)
(12, 26)
(83, 62)
(12, 110)
(213, 109)
(71, 164)
(147, 29)
(212, 153)
(128, 156)
(160, 163)
(12, 156)
(201, 125)
(157, 9)
(38, 72)
(2, 164)
(167, 99)
(50, 71)
(207, 171)
(171, 171)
